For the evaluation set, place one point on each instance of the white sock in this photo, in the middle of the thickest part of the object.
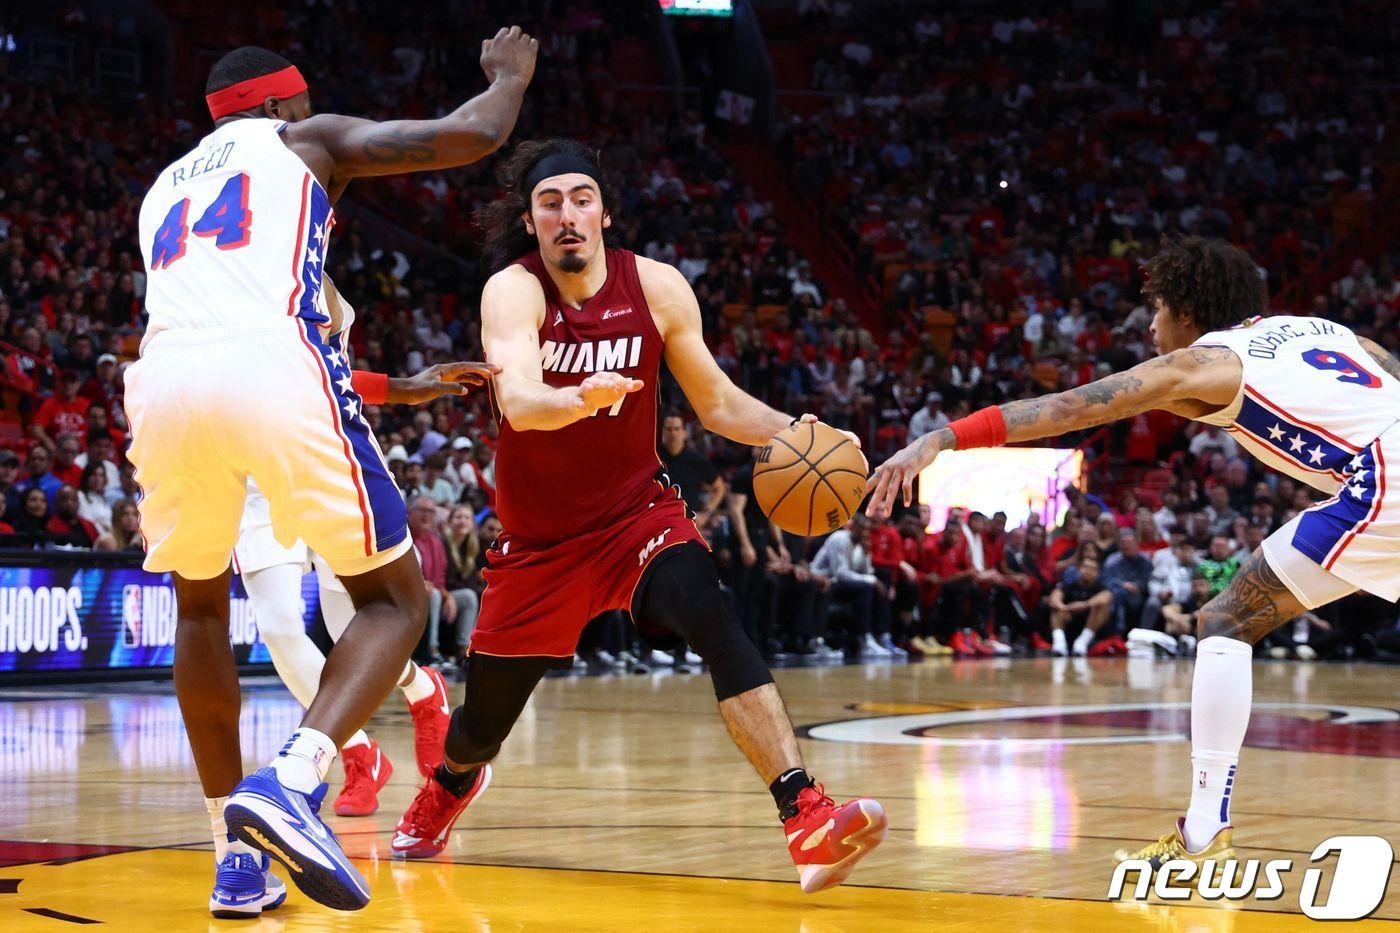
(304, 760)
(1221, 693)
(1057, 640)
(217, 826)
(1081, 643)
(419, 687)
(359, 738)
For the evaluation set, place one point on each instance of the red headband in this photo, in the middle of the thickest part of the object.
(248, 94)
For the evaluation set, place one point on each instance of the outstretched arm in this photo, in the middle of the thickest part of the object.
(512, 309)
(722, 406)
(1378, 353)
(1190, 382)
(339, 148)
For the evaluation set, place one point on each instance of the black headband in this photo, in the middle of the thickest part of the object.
(559, 163)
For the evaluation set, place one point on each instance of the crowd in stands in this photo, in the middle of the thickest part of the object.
(1106, 142)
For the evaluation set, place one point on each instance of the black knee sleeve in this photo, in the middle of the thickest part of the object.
(681, 593)
(496, 691)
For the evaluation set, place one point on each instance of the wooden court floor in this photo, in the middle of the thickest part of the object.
(620, 804)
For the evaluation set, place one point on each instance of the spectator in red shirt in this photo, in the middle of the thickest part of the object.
(422, 525)
(65, 412)
(65, 456)
(65, 526)
(99, 419)
(102, 388)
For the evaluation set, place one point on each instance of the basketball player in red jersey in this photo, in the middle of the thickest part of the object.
(591, 522)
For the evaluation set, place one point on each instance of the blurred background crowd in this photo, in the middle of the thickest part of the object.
(947, 209)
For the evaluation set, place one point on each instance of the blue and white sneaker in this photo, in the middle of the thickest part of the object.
(244, 886)
(286, 824)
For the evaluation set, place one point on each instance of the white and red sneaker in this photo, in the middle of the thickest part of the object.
(430, 718)
(423, 831)
(367, 770)
(825, 841)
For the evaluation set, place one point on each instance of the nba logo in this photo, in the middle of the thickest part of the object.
(131, 615)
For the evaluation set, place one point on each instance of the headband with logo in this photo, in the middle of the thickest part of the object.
(251, 93)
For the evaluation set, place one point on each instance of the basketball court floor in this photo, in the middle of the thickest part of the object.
(620, 804)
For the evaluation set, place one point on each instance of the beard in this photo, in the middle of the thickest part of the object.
(572, 263)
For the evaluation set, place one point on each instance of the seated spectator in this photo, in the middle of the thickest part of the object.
(844, 560)
(1172, 571)
(700, 484)
(435, 485)
(1106, 533)
(37, 476)
(466, 556)
(66, 527)
(126, 529)
(31, 519)
(104, 387)
(1179, 616)
(1127, 575)
(99, 451)
(1085, 598)
(1221, 563)
(65, 412)
(929, 418)
(1221, 514)
(422, 525)
(9, 470)
(65, 457)
(92, 498)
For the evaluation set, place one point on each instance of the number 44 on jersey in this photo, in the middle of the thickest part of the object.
(228, 220)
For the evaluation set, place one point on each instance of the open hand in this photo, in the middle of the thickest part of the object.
(898, 474)
(605, 389)
(441, 379)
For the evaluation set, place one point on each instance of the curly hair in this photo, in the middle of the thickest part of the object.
(505, 235)
(1211, 283)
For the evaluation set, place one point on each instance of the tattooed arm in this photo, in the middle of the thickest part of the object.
(1378, 353)
(1191, 382)
(338, 148)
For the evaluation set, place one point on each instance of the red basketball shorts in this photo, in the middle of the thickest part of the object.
(539, 597)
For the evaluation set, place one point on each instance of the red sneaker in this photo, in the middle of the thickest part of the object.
(1038, 643)
(367, 770)
(825, 841)
(982, 649)
(422, 833)
(430, 718)
(960, 646)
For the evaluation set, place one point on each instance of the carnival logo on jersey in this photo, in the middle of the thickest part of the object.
(1358, 881)
(615, 312)
(1327, 728)
(590, 356)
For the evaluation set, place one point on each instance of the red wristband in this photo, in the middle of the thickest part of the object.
(373, 388)
(985, 428)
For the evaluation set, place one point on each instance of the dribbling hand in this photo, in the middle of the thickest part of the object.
(813, 419)
(509, 54)
(604, 390)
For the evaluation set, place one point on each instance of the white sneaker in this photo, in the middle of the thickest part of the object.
(872, 648)
(1306, 652)
(1000, 647)
(656, 658)
(887, 642)
(693, 659)
(820, 649)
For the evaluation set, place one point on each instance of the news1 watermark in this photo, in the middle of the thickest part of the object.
(1359, 877)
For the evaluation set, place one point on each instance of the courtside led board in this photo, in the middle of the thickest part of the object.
(1014, 480)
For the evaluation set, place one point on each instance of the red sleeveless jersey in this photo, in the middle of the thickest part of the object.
(556, 485)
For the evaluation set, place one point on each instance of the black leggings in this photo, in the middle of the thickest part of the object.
(679, 593)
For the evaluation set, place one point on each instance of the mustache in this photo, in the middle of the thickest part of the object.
(570, 234)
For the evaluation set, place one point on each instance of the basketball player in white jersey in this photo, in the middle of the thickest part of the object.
(272, 576)
(237, 380)
(1307, 397)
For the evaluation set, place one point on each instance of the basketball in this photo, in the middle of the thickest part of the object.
(810, 478)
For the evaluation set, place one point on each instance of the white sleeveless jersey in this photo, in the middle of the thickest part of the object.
(1311, 398)
(235, 232)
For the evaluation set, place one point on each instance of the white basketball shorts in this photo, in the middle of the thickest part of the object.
(272, 401)
(1352, 540)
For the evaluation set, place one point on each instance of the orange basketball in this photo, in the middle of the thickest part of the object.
(810, 479)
